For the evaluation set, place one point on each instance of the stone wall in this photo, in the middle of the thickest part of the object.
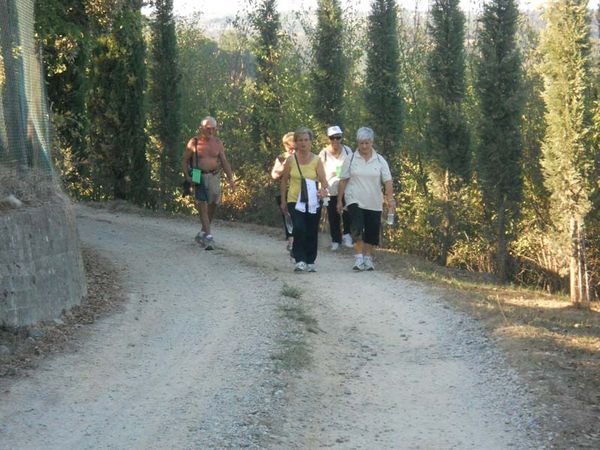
(41, 268)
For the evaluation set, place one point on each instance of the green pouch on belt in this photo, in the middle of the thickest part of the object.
(196, 175)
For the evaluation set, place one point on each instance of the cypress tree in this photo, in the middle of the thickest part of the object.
(501, 100)
(448, 136)
(135, 114)
(165, 95)
(267, 104)
(330, 66)
(383, 92)
(116, 108)
(567, 152)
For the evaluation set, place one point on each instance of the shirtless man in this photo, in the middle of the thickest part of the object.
(203, 154)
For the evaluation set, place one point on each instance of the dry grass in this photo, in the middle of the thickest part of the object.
(553, 345)
(33, 188)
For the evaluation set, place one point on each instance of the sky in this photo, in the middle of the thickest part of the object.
(222, 8)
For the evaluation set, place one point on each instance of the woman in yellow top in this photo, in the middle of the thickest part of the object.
(305, 216)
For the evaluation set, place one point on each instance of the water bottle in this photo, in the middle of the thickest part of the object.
(390, 217)
(288, 223)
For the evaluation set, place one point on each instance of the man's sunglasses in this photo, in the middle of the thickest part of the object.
(337, 137)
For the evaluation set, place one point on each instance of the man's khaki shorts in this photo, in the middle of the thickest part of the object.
(209, 189)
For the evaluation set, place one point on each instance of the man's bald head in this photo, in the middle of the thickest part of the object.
(208, 121)
(208, 126)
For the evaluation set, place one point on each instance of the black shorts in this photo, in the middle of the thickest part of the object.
(364, 224)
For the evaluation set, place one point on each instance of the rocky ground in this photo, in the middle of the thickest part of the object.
(177, 347)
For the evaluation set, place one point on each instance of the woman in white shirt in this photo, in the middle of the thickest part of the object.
(362, 177)
(333, 157)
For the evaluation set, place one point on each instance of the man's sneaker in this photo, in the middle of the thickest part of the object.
(200, 238)
(368, 263)
(359, 264)
(311, 268)
(209, 241)
(334, 246)
(300, 266)
(347, 241)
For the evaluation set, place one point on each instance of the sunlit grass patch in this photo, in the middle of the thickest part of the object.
(292, 355)
(291, 291)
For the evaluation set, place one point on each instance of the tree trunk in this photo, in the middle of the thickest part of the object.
(584, 279)
(501, 245)
(446, 222)
(573, 263)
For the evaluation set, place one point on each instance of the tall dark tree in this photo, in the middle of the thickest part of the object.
(330, 66)
(448, 136)
(266, 111)
(501, 98)
(116, 108)
(165, 96)
(567, 152)
(383, 92)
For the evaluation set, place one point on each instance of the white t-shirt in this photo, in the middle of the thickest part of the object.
(333, 166)
(365, 179)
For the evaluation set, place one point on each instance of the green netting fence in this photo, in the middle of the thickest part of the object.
(25, 132)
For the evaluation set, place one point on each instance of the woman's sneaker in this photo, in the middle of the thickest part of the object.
(347, 240)
(209, 241)
(300, 266)
(334, 246)
(359, 264)
(368, 263)
(311, 268)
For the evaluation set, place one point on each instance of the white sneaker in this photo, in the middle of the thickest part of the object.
(359, 264)
(334, 246)
(311, 268)
(300, 266)
(200, 238)
(347, 241)
(368, 263)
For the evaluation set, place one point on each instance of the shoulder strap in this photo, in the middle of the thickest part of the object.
(298, 164)
(350, 166)
(196, 151)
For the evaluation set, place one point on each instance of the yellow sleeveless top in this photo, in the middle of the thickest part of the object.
(308, 170)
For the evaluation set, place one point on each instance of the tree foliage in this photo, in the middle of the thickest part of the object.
(266, 128)
(62, 28)
(329, 68)
(116, 109)
(568, 158)
(448, 136)
(165, 98)
(447, 133)
(383, 95)
(499, 153)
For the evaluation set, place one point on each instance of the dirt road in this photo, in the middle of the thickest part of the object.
(209, 353)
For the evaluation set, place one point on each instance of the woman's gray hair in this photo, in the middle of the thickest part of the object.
(303, 130)
(365, 134)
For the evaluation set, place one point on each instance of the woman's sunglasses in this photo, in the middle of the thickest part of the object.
(337, 138)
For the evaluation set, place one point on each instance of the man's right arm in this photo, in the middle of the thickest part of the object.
(185, 162)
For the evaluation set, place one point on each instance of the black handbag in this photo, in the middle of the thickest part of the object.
(303, 187)
(187, 188)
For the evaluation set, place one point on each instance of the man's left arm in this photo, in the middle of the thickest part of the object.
(227, 168)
